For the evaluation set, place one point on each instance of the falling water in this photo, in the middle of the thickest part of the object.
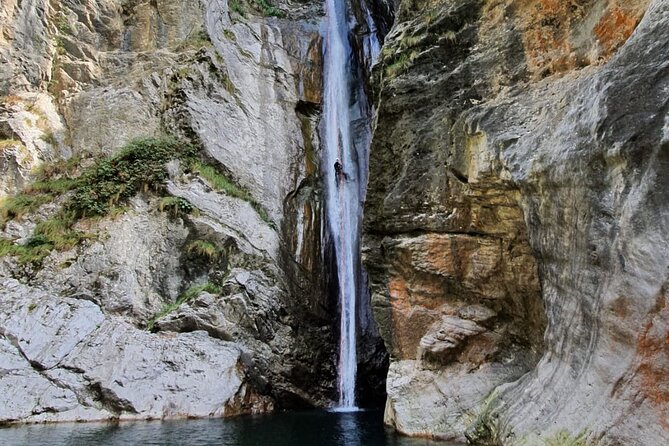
(342, 189)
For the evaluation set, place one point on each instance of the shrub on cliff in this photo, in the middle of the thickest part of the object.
(139, 166)
(100, 190)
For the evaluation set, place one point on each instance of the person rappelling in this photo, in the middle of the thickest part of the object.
(338, 166)
(339, 172)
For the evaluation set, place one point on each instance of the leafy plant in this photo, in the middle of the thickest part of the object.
(175, 206)
(99, 191)
(139, 166)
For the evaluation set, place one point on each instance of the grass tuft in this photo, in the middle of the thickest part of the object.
(236, 6)
(189, 295)
(20, 205)
(204, 249)
(218, 181)
(10, 143)
(401, 64)
(268, 10)
(49, 138)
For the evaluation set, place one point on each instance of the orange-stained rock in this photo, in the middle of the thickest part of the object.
(559, 36)
(615, 27)
(653, 351)
(519, 165)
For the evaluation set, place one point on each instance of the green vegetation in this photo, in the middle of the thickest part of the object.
(101, 190)
(60, 47)
(52, 187)
(7, 143)
(236, 6)
(195, 41)
(176, 206)
(484, 430)
(58, 169)
(57, 231)
(262, 6)
(229, 86)
(429, 16)
(449, 36)
(63, 24)
(53, 233)
(51, 182)
(20, 205)
(401, 64)
(194, 291)
(28, 253)
(104, 189)
(410, 41)
(49, 138)
(189, 295)
(140, 166)
(268, 10)
(229, 35)
(204, 249)
(564, 438)
(220, 182)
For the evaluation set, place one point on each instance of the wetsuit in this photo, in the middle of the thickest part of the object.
(339, 171)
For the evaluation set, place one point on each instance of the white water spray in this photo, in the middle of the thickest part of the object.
(343, 192)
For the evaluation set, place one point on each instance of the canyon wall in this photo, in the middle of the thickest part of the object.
(218, 310)
(515, 224)
(516, 220)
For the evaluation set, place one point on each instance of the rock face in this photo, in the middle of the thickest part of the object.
(81, 79)
(63, 360)
(516, 221)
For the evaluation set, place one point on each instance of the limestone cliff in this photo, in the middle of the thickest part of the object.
(215, 272)
(516, 221)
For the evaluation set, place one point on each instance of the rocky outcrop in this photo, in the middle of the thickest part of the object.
(78, 81)
(516, 221)
(64, 360)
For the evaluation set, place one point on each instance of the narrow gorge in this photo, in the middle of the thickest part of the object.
(455, 210)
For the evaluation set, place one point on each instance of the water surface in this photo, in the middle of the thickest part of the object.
(316, 428)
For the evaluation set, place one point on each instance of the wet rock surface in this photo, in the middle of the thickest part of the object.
(516, 250)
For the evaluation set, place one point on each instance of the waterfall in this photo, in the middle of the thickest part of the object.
(345, 158)
(343, 199)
